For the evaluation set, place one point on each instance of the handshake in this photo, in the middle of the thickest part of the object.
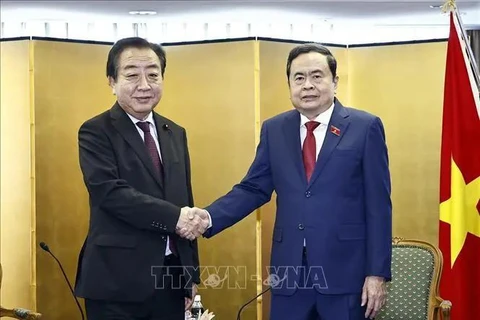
(192, 222)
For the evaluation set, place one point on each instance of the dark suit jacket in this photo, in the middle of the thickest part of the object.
(131, 210)
(344, 212)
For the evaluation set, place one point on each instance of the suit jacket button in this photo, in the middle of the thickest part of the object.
(301, 227)
(308, 194)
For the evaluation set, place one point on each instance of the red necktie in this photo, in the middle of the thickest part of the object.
(309, 149)
(157, 163)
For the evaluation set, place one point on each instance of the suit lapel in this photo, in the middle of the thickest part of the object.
(335, 131)
(129, 132)
(291, 129)
(167, 145)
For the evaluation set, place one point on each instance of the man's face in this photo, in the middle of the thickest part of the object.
(139, 83)
(312, 87)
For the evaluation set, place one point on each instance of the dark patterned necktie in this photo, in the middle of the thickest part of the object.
(151, 147)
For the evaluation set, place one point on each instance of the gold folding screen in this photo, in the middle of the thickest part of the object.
(70, 87)
(403, 84)
(209, 90)
(16, 197)
(220, 92)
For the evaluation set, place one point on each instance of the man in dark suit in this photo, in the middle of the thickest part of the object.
(136, 167)
(328, 165)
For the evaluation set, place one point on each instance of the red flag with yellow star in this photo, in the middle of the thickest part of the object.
(460, 182)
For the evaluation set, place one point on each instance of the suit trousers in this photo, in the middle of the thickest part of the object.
(308, 304)
(167, 302)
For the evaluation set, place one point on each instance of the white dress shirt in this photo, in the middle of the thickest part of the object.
(154, 134)
(319, 132)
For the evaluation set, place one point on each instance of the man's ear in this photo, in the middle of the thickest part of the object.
(335, 81)
(111, 83)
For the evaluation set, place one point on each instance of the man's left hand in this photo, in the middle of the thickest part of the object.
(189, 301)
(374, 295)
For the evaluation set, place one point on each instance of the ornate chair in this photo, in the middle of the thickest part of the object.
(413, 291)
(17, 313)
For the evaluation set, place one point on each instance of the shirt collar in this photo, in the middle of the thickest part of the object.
(149, 118)
(323, 118)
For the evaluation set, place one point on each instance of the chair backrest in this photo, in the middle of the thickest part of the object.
(412, 293)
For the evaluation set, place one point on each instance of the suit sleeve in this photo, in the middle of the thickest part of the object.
(378, 202)
(251, 193)
(114, 195)
(194, 243)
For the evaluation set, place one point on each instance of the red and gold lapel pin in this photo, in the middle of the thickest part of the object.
(335, 130)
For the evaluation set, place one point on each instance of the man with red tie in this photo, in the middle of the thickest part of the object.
(136, 168)
(328, 165)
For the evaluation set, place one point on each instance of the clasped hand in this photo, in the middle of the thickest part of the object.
(192, 223)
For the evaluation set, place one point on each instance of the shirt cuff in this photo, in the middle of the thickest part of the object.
(209, 219)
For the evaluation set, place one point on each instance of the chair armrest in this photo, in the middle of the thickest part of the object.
(19, 313)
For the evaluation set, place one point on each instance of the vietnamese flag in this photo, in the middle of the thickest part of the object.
(459, 234)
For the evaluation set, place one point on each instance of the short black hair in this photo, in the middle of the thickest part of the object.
(312, 47)
(133, 42)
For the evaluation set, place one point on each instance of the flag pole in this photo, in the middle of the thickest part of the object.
(451, 6)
